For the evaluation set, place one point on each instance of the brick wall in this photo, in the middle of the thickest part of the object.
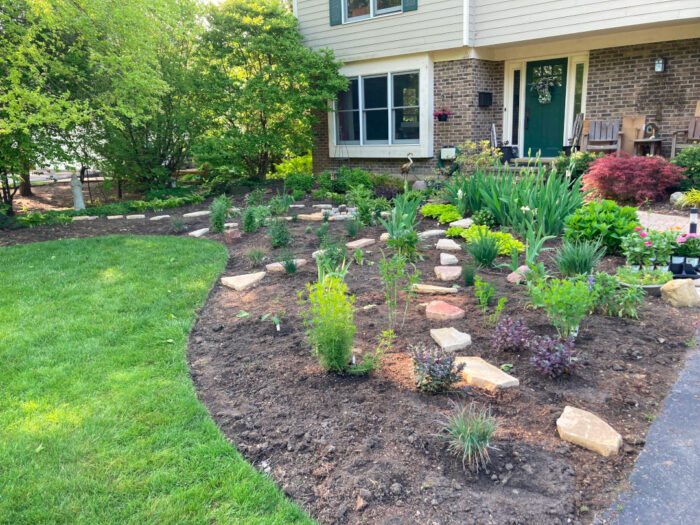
(622, 82)
(456, 87)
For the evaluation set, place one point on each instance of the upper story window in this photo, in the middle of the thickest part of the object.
(342, 11)
(359, 9)
(379, 109)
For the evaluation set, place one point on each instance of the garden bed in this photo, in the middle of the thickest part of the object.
(351, 449)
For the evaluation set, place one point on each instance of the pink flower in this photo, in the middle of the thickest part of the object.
(644, 234)
(693, 235)
(680, 239)
(637, 228)
(648, 243)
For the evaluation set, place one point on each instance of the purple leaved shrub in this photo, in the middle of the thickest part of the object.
(554, 357)
(434, 369)
(511, 335)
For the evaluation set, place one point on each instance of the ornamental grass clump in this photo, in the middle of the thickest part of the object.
(578, 257)
(554, 357)
(434, 369)
(468, 432)
(483, 249)
(511, 335)
(330, 323)
(219, 212)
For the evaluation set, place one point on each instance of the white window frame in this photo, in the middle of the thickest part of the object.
(511, 66)
(373, 11)
(423, 147)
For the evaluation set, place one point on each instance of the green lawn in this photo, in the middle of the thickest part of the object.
(99, 422)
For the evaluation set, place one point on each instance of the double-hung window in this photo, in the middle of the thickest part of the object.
(379, 109)
(359, 9)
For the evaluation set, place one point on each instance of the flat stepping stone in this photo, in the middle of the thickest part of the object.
(159, 218)
(323, 206)
(442, 311)
(202, 213)
(136, 216)
(431, 289)
(461, 223)
(431, 233)
(587, 430)
(242, 282)
(359, 243)
(341, 217)
(279, 267)
(297, 206)
(384, 237)
(447, 259)
(114, 217)
(448, 273)
(231, 225)
(310, 216)
(450, 339)
(448, 245)
(84, 218)
(235, 210)
(481, 374)
(198, 233)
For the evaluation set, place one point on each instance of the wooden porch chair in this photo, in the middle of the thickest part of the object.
(603, 135)
(692, 136)
(576, 132)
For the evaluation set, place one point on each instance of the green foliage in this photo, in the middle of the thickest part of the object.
(505, 241)
(345, 180)
(484, 217)
(177, 225)
(255, 197)
(566, 302)
(352, 227)
(610, 298)
(578, 257)
(332, 260)
(102, 400)
(401, 225)
(641, 247)
(468, 432)
(296, 171)
(577, 163)
(604, 220)
(496, 315)
(689, 159)
(468, 274)
(434, 369)
(444, 213)
(330, 323)
(219, 209)
(250, 221)
(534, 244)
(645, 277)
(280, 236)
(264, 86)
(297, 195)
(322, 233)
(483, 292)
(279, 204)
(397, 276)
(256, 255)
(361, 197)
(289, 264)
(484, 249)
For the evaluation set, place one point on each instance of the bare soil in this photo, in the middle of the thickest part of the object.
(352, 450)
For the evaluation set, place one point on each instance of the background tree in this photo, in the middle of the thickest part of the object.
(264, 86)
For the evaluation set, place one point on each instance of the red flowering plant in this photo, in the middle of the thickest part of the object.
(621, 177)
(642, 247)
(442, 112)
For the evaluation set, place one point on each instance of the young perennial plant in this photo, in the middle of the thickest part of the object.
(566, 302)
(511, 335)
(434, 369)
(468, 432)
(553, 357)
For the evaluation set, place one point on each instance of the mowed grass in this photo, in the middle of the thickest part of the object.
(99, 422)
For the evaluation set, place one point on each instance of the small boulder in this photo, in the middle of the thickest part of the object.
(442, 311)
(447, 259)
(448, 273)
(675, 197)
(114, 217)
(384, 237)
(518, 275)
(431, 233)
(680, 293)
(588, 431)
(420, 185)
(323, 206)
(84, 218)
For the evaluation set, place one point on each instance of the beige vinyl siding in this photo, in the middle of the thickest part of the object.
(507, 21)
(437, 24)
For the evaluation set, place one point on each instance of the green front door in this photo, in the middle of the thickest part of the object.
(544, 114)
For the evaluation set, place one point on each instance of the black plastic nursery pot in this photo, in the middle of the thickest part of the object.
(507, 153)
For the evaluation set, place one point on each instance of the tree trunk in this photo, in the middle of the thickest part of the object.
(77, 189)
(25, 186)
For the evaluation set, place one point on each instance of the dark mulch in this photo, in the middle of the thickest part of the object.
(353, 450)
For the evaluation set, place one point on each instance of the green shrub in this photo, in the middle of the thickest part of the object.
(250, 221)
(468, 273)
(604, 220)
(345, 179)
(330, 323)
(279, 204)
(444, 213)
(280, 236)
(300, 181)
(689, 159)
(322, 233)
(484, 249)
(566, 302)
(219, 209)
(255, 197)
(577, 163)
(352, 227)
(578, 257)
(302, 165)
(484, 217)
(361, 197)
(297, 195)
(610, 298)
(468, 432)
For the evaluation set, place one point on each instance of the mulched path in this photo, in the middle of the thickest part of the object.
(352, 450)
